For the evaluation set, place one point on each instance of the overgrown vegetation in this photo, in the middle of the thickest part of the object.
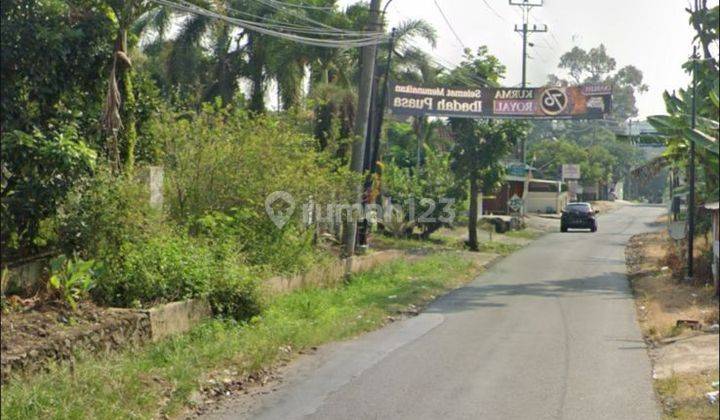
(132, 383)
(76, 153)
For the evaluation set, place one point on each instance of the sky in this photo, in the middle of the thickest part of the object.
(652, 35)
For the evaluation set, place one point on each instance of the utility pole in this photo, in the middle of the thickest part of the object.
(372, 141)
(691, 171)
(525, 28)
(367, 68)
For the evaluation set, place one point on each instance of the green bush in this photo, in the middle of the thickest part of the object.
(174, 266)
(223, 159)
(434, 181)
(263, 245)
(220, 166)
(104, 214)
(235, 295)
(161, 269)
(38, 170)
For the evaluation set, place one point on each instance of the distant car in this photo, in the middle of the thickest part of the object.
(578, 216)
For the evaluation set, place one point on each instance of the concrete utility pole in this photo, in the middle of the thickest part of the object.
(526, 5)
(691, 171)
(374, 130)
(367, 68)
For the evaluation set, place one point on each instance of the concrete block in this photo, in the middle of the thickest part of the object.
(177, 317)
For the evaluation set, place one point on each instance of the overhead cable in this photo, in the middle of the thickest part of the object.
(273, 30)
(447, 21)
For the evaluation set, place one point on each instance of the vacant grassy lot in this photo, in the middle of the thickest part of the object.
(158, 379)
(661, 300)
(683, 396)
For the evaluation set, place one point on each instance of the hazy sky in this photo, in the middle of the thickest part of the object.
(652, 35)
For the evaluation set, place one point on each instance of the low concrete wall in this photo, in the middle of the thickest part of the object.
(25, 279)
(541, 201)
(135, 326)
(118, 329)
(177, 317)
(331, 274)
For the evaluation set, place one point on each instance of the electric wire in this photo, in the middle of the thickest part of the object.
(303, 6)
(275, 6)
(447, 21)
(287, 26)
(326, 29)
(373, 38)
(495, 11)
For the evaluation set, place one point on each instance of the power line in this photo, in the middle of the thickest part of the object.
(449, 24)
(470, 79)
(526, 6)
(303, 6)
(494, 11)
(272, 23)
(279, 6)
(370, 38)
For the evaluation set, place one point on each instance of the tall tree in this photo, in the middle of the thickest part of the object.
(119, 112)
(480, 145)
(53, 55)
(597, 66)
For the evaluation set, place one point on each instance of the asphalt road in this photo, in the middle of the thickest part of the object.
(547, 333)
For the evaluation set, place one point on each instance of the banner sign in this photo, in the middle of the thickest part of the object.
(571, 102)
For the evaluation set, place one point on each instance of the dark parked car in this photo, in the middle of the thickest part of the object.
(579, 216)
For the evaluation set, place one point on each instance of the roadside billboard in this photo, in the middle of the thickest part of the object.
(571, 102)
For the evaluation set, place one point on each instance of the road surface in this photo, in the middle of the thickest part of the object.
(547, 333)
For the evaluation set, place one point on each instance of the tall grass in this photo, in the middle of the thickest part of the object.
(159, 378)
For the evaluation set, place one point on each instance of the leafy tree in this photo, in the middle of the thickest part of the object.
(596, 66)
(53, 54)
(478, 159)
(40, 171)
(480, 145)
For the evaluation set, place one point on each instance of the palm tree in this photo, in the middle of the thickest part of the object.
(410, 65)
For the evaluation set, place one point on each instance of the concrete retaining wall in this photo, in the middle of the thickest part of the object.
(332, 274)
(135, 326)
(123, 328)
(25, 279)
(176, 317)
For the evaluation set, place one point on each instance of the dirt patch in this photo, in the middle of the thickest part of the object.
(605, 206)
(661, 299)
(689, 355)
(685, 361)
(34, 336)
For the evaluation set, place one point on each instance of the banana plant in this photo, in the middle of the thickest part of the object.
(72, 279)
(676, 131)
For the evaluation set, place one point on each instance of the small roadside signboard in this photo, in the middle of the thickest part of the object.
(571, 171)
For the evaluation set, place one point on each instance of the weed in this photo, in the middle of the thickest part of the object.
(158, 379)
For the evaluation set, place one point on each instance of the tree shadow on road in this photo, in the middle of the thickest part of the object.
(473, 296)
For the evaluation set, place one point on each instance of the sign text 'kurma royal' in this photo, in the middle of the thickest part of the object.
(573, 102)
